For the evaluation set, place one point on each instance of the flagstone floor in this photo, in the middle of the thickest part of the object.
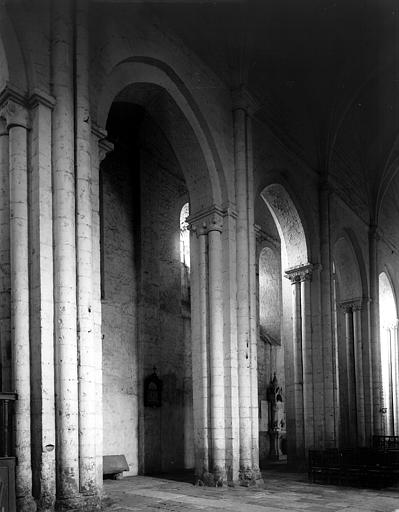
(282, 491)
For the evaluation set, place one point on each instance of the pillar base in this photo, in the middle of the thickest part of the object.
(215, 479)
(26, 504)
(80, 503)
(250, 477)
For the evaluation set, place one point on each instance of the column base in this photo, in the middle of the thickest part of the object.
(250, 477)
(26, 504)
(80, 503)
(215, 479)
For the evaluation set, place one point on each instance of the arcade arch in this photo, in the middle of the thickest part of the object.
(147, 181)
(288, 334)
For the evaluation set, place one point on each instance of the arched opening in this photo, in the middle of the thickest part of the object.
(389, 356)
(147, 189)
(283, 352)
(350, 353)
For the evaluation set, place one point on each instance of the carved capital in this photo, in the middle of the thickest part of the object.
(298, 274)
(206, 220)
(352, 305)
(14, 114)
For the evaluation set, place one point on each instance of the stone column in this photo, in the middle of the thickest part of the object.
(350, 376)
(209, 356)
(246, 290)
(87, 345)
(66, 374)
(42, 305)
(100, 147)
(358, 354)
(200, 349)
(327, 381)
(16, 118)
(302, 358)
(374, 329)
(307, 366)
(5, 300)
(395, 377)
(216, 348)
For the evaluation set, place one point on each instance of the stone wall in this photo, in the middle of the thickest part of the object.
(143, 325)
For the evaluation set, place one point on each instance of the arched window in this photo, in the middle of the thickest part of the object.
(185, 236)
(389, 354)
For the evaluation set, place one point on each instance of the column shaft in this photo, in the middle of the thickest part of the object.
(20, 332)
(243, 324)
(298, 367)
(328, 381)
(42, 305)
(96, 301)
(351, 384)
(307, 364)
(216, 349)
(86, 343)
(252, 301)
(375, 337)
(64, 253)
(5, 300)
(199, 326)
(358, 353)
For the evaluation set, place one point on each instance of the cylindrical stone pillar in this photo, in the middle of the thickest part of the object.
(298, 366)
(17, 120)
(84, 263)
(374, 330)
(243, 325)
(358, 353)
(350, 374)
(200, 349)
(66, 375)
(216, 350)
(326, 379)
(5, 301)
(308, 411)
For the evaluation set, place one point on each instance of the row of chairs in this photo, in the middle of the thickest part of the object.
(365, 467)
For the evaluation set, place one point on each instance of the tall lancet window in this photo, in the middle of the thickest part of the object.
(389, 355)
(185, 236)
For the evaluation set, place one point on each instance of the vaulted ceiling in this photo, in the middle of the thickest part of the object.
(324, 72)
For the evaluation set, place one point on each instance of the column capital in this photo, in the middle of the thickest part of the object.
(243, 100)
(14, 114)
(207, 220)
(298, 274)
(355, 304)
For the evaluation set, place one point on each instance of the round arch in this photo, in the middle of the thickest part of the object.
(206, 183)
(289, 224)
(347, 270)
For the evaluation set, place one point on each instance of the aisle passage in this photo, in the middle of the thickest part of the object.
(281, 492)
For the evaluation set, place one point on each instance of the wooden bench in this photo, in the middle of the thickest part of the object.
(365, 467)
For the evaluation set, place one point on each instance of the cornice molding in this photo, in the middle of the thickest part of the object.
(39, 97)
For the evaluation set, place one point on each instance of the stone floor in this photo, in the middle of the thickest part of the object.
(282, 491)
